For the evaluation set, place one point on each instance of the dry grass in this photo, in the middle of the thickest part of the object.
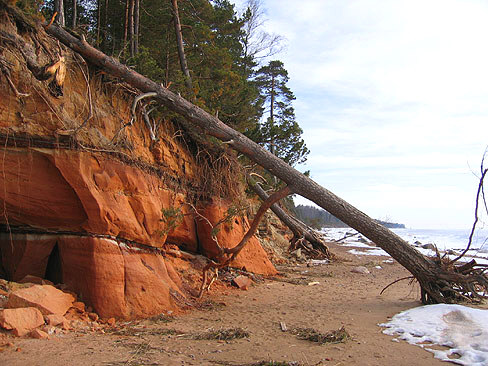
(135, 332)
(222, 334)
(310, 334)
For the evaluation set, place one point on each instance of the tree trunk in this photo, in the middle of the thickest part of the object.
(298, 228)
(126, 26)
(75, 14)
(272, 146)
(131, 27)
(438, 283)
(59, 8)
(105, 42)
(136, 26)
(99, 19)
(181, 49)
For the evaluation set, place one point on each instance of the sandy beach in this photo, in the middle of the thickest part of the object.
(341, 298)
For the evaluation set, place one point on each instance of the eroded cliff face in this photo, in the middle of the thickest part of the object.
(84, 200)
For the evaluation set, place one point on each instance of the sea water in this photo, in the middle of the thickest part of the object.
(444, 240)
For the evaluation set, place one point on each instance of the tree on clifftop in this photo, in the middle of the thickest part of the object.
(280, 133)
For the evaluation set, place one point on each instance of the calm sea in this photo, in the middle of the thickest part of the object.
(443, 239)
(446, 239)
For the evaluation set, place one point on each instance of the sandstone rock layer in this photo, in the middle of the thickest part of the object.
(46, 298)
(86, 206)
(21, 319)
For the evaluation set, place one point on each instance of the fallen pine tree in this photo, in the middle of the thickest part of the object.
(440, 279)
(304, 237)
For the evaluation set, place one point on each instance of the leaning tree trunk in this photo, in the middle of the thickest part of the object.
(299, 229)
(438, 283)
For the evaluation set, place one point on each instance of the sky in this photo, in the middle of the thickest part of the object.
(392, 97)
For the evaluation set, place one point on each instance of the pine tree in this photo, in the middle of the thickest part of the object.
(280, 132)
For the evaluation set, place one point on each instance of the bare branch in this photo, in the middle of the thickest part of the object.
(480, 189)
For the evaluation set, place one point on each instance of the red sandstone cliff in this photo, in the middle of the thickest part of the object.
(85, 206)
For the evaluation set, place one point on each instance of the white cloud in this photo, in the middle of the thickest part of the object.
(393, 95)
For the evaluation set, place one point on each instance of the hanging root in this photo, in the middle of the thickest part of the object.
(5, 69)
(228, 254)
(133, 117)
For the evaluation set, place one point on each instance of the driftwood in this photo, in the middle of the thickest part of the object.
(440, 281)
(301, 232)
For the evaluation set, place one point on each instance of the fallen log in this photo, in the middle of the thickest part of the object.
(439, 281)
(299, 229)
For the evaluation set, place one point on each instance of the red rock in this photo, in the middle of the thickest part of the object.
(252, 258)
(147, 274)
(3, 293)
(49, 329)
(243, 282)
(80, 191)
(115, 281)
(38, 194)
(29, 256)
(79, 306)
(46, 298)
(66, 325)
(76, 191)
(21, 320)
(20, 332)
(111, 322)
(38, 334)
(136, 213)
(93, 316)
(36, 280)
(54, 319)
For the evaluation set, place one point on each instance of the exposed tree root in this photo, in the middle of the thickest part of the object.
(5, 69)
(228, 254)
(454, 283)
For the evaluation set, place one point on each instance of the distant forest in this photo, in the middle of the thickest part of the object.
(318, 218)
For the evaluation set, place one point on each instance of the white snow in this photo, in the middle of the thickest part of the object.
(357, 245)
(362, 248)
(373, 251)
(462, 331)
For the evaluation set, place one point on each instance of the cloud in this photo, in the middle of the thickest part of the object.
(391, 95)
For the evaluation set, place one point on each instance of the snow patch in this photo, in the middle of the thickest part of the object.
(462, 330)
(375, 251)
